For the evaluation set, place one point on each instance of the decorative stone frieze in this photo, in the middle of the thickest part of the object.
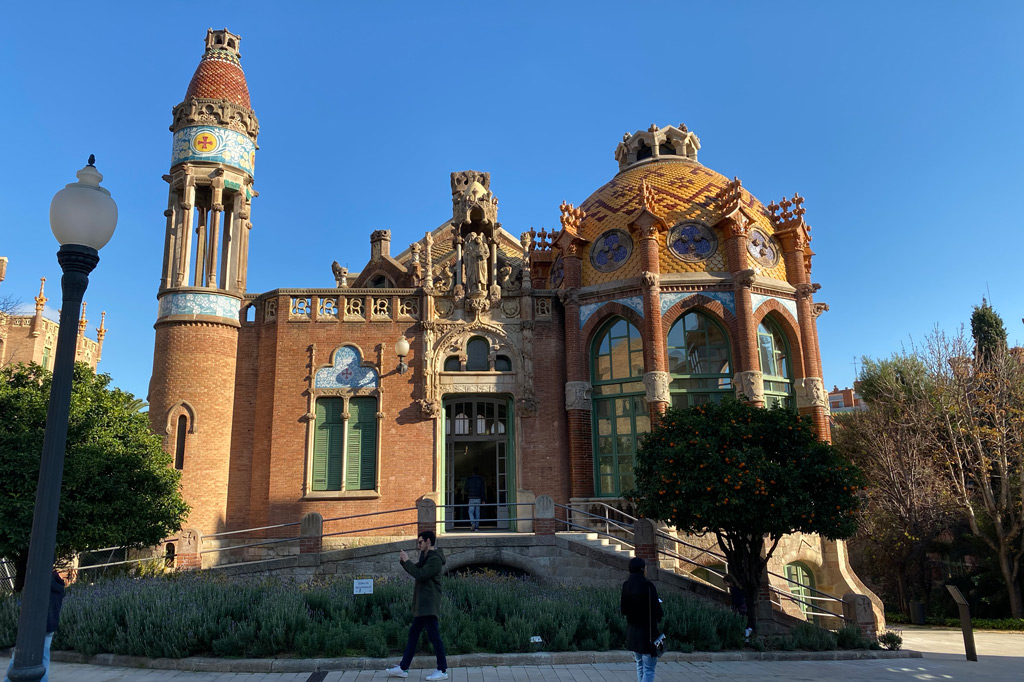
(656, 384)
(577, 395)
(810, 392)
(749, 386)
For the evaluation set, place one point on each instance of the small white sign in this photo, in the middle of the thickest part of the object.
(362, 586)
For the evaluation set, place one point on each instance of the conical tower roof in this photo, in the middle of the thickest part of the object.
(219, 74)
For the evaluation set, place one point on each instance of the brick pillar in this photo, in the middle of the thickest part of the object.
(426, 515)
(857, 610)
(311, 531)
(748, 377)
(577, 387)
(187, 557)
(645, 545)
(648, 227)
(544, 521)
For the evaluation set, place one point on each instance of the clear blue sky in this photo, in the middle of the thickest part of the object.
(900, 122)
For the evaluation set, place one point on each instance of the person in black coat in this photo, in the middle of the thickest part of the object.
(642, 608)
(52, 620)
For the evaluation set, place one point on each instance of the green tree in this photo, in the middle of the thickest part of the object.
(988, 332)
(750, 476)
(118, 488)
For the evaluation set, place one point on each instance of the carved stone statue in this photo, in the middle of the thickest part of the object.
(340, 274)
(476, 255)
(749, 386)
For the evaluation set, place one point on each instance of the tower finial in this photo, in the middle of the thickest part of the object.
(92, 160)
(82, 321)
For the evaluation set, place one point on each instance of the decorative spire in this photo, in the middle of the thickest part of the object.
(730, 197)
(82, 321)
(101, 331)
(41, 299)
(647, 197)
(571, 218)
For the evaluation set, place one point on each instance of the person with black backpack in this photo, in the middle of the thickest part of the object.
(642, 608)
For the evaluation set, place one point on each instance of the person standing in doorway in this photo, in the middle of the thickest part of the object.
(642, 608)
(52, 619)
(476, 488)
(426, 605)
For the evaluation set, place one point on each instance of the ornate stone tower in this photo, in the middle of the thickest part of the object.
(202, 281)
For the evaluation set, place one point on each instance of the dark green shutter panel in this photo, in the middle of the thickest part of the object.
(361, 473)
(327, 442)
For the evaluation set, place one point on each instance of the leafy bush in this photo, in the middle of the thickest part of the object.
(812, 638)
(891, 640)
(849, 637)
(188, 614)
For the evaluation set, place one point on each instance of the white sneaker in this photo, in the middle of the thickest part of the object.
(398, 672)
(437, 675)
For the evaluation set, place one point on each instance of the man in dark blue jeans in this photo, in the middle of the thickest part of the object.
(476, 488)
(52, 619)
(426, 605)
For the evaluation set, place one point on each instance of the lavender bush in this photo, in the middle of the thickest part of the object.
(188, 614)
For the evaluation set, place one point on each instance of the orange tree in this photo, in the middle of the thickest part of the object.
(750, 476)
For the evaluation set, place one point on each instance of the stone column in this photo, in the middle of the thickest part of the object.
(544, 522)
(183, 257)
(187, 557)
(311, 531)
(211, 256)
(426, 515)
(645, 545)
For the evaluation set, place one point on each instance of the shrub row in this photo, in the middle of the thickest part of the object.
(189, 614)
(978, 623)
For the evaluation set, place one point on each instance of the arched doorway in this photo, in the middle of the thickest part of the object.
(478, 436)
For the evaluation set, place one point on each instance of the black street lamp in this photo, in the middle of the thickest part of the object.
(82, 217)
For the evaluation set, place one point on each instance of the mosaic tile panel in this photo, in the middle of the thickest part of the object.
(217, 145)
(726, 298)
(757, 299)
(346, 372)
(634, 302)
(190, 303)
(611, 250)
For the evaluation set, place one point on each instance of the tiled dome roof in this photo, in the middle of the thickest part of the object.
(682, 190)
(219, 76)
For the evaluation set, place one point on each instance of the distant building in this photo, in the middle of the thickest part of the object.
(33, 338)
(846, 399)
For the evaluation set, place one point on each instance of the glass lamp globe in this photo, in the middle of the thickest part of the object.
(83, 212)
(402, 347)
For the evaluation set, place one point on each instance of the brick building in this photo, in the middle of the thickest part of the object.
(33, 338)
(538, 358)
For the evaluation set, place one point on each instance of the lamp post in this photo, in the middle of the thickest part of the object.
(401, 350)
(82, 217)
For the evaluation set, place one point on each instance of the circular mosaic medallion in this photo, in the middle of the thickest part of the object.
(205, 143)
(763, 248)
(611, 250)
(692, 242)
(557, 273)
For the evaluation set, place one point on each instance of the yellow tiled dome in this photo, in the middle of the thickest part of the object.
(684, 191)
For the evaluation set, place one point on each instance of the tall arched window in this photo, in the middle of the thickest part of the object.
(619, 405)
(698, 360)
(774, 351)
(477, 352)
(179, 443)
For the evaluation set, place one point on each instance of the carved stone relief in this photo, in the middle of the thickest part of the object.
(577, 395)
(749, 386)
(656, 384)
(811, 393)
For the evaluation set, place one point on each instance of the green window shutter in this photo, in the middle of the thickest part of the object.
(327, 442)
(361, 456)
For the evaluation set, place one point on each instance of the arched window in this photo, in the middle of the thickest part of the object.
(452, 364)
(477, 352)
(179, 443)
(801, 586)
(774, 351)
(698, 360)
(619, 405)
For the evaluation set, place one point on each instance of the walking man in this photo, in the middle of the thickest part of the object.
(476, 488)
(426, 605)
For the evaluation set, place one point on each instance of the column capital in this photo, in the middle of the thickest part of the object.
(577, 395)
(656, 384)
(810, 392)
(749, 386)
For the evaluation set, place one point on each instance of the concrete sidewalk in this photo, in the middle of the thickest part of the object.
(1001, 658)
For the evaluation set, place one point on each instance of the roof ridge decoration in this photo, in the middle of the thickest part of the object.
(569, 241)
(646, 221)
(791, 228)
(657, 143)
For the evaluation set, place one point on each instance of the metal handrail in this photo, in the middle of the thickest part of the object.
(825, 595)
(358, 516)
(822, 612)
(249, 544)
(251, 530)
(360, 530)
(618, 524)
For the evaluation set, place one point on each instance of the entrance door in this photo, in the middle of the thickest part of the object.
(477, 437)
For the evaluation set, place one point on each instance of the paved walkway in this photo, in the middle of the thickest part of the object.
(1001, 657)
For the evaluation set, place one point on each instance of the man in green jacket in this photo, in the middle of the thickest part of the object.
(426, 605)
